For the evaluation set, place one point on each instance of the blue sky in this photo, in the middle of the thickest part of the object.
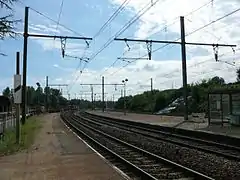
(87, 17)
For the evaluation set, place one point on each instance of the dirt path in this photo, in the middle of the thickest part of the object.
(56, 155)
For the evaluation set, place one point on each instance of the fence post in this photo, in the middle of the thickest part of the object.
(4, 126)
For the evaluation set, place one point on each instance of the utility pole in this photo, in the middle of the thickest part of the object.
(124, 91)
(17, 104)
(113, 100)
(184, 67)
(183, 44)
(92, 97)
(152, 95)
(151, 85)
(125, 101)
(103, 84)
(25, 47)
(24, 88)
(95, 104)
(103, 103)
(47, 89)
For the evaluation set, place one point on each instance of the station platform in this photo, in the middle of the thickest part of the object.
(57, 154)
(196, 124)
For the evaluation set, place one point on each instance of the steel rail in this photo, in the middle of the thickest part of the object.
(205, 143)
(126, 162)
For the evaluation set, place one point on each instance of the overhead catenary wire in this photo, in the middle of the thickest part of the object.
(194, 65)
(112, 17)
(59, 15)
(214, 21)
(194, 31)
(127, 25)
(200, 74)
(55, 21)
(175, 20)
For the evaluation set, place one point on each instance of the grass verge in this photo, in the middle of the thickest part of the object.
(28, 134)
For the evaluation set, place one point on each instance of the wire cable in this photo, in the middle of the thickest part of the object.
(112, 17)
(214, 21)
(194, 65)
(59, 24)
(126, 26)
(60, 13)
(111, 39)
(198, 29)
(175, 20)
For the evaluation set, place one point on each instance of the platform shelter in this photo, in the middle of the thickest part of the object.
(224, 106)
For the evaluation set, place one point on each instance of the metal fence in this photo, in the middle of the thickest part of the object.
(7, 121)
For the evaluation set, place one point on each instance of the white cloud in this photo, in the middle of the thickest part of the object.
(5, 82)
(63, 69)
(47, 28)
(73, 47)
(58, 79)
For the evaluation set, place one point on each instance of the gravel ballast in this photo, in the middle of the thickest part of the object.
(209, 164)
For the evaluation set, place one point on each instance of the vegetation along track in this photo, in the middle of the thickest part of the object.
(143, 164)
(224, 150)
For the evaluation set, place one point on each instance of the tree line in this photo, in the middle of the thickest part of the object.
(49, 97)
(153, 101)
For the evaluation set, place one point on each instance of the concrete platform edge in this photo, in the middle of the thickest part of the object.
(210, 133)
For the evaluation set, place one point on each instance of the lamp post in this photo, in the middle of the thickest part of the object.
(124, 91)
(94, 107)
(38, 96)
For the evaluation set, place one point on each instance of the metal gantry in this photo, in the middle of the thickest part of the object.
(103, 84)
(26, 35)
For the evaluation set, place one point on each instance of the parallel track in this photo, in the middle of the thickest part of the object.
(143, 164)
(224, 150)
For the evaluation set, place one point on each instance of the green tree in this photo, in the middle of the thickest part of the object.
(161, 102)
(30, 96)
(217, 81)
(139, 102)
(7, 20)
(238, 75)
(7, 92)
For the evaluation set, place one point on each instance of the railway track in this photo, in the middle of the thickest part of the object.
(141, 163)
(224, 150)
